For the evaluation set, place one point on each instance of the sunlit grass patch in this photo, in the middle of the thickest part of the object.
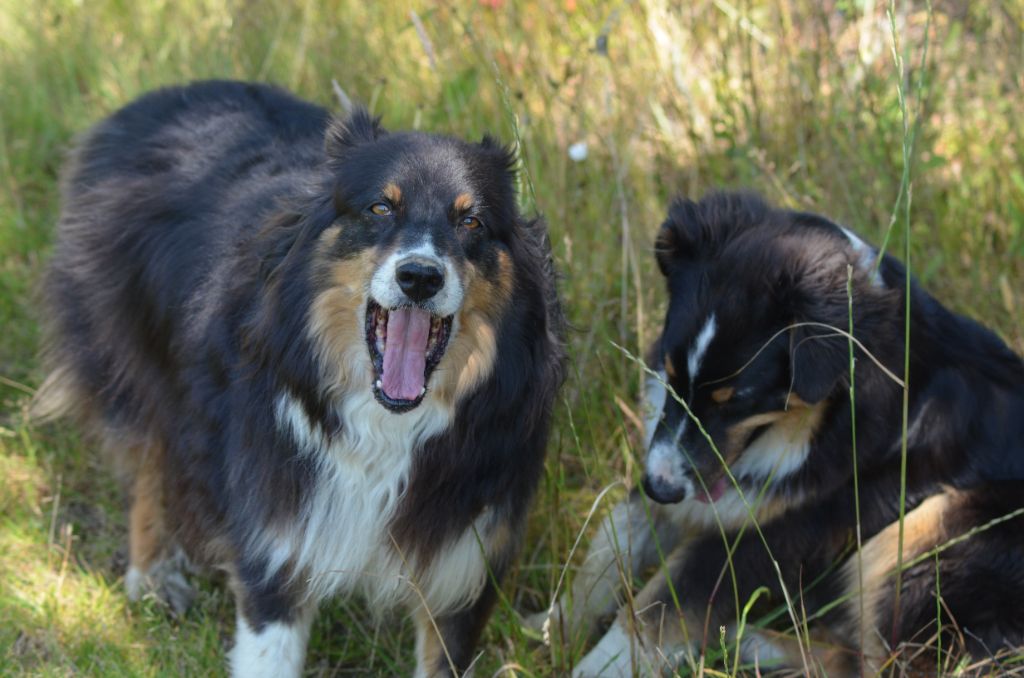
(60, 560)
(58, 613)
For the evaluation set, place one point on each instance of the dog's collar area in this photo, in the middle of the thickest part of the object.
(403, 362)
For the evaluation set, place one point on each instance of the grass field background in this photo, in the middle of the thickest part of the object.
(795, 98)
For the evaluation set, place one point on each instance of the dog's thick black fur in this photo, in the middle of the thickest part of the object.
(754, 343)
(325, 356)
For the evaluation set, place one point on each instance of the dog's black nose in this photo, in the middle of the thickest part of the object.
(662, 491)
(419, 280)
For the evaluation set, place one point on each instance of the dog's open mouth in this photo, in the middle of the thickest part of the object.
(715, 489)
(406, 344)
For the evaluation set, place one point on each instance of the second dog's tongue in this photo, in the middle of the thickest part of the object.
(714, 493)
(405, 353)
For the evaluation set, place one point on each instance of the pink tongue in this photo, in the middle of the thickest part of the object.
(714, 492)
(405, 353)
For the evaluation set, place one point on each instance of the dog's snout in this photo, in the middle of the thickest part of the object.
(662, 491)
(419, 279)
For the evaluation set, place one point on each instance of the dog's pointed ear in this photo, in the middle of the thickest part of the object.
(696, 231)
(359, 128)
(680, 236)
(501, 156)
(491, 143)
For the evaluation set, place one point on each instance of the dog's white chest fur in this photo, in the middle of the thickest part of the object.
(341, 542)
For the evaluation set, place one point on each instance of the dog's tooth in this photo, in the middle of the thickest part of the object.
(423, 390)
(379, 384)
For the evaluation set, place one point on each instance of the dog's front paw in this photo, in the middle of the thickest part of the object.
(610, 658)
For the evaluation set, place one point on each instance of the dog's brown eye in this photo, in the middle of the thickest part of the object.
(381, 209)
(471, 223)
(722, 395)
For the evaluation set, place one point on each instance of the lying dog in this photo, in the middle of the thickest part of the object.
(325, 355)
(755, 354)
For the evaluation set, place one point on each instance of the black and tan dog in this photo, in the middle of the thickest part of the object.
(754, 345)
(325, 355)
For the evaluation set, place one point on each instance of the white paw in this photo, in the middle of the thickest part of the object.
(277, 650)
(610, 658)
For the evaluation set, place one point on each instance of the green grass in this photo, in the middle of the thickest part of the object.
(797, 101)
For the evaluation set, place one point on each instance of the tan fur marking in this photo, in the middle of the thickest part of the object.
(462, 202)
(430, 654)
(336, 323)
(802, 418)
(471, 354)
(923, 528)
(826, 655)
(722, 395)
(795, 401)
(798, 421)
(506, 279)
(737, 434)
(500, 541)
(326, 240)
(393, 193)
(147, 530)
(670, 368)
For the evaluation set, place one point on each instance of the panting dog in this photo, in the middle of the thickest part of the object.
(325, 356)
(752, 415)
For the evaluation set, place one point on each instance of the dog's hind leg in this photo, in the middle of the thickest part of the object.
(960, 590)
(155, 565)
(634, 537)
